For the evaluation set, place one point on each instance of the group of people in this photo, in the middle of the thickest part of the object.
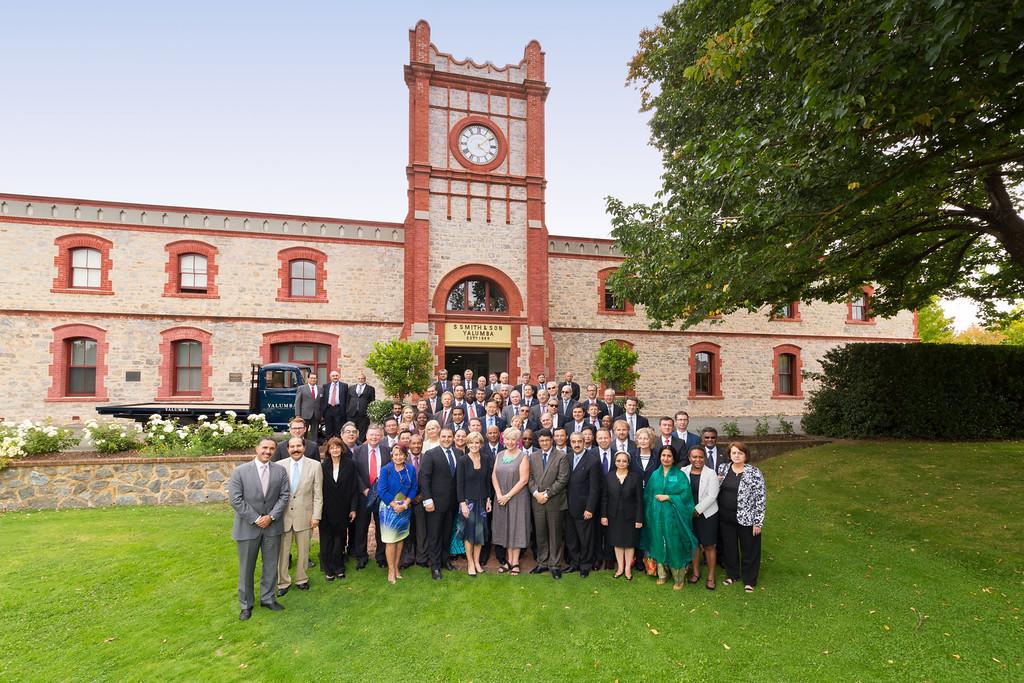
(583, 484)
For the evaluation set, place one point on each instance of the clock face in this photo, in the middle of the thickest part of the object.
(478, 144)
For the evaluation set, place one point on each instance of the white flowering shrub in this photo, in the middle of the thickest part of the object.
(113, 437)
(34, 438)
(221, 433)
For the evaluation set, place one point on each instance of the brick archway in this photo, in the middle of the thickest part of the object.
(514, 317)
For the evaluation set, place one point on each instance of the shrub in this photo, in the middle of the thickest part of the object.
(166, 437)
(785, 426)
(731, 429)
(378, 411)
(403, 366)
(613, 366)
(34, 438)
(761, 426)
(932, 391)
(113, 437)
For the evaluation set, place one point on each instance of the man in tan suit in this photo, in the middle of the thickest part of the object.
(549, 476)
(302, 515)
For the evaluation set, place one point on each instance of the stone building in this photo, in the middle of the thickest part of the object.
(111, 302)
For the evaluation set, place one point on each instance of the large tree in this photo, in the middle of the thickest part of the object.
(812, 146)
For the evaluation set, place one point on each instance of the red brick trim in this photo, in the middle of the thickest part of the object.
(794, 314)
(286, 256)
(175, 250)
(602, 278)
(716, 370)
(515, 299)
(58, 371)
(453, 143)
(798, 391)
(65, 244)
(585, 257)
(869, 292)
(167, 338)
(300, 337)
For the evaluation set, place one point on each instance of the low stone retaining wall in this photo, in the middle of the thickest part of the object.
(40, 485)
(126, 481)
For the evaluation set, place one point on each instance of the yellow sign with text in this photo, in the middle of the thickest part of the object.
(483, 335)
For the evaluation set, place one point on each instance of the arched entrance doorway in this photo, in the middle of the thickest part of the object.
(477, 316)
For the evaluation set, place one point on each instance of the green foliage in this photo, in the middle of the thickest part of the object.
(812, 147)
(785, 426)
(378, 411)
(34, 438)
(835, 539)
(403, 366)
(935, 391)
(168, 438)
(1012, 328)
(761, 426)
(620, 401)
(933, 327)
(613, 366)
(731, 429)
(113, 437)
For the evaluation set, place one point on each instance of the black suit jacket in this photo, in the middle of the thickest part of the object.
(434, 404)
(443, 386)
(584, 489)
(342, 397)
(357, 404)
(616, 411)
(474, 409)
(567, 413)
(493, 452)
(361, 456)
(498, 420)
(637, 466)
(572, 385)
(436, 480)
(341, 497)
(641, 421)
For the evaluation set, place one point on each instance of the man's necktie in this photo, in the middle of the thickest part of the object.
(265, 478)
(334, 394)
(373, 465)
(604, 461)
(451, 460)
(295, 475)
(544, 459)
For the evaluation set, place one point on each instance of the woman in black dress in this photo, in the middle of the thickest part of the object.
(341, 496)
(622, 509)
(473, 488)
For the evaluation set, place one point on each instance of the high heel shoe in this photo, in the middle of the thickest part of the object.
(629, 577)
(618, 575)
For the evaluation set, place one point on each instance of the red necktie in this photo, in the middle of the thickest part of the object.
(373, 466)
(314, 392)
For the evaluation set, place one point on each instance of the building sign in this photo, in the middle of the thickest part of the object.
(484, 335)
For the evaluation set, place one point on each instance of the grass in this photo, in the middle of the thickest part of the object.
(882, 561)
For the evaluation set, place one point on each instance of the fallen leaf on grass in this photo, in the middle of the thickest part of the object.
(885, 627)
(243, 665)
(218, 638)
(726, 646)
(110, 639)
(956, 657)
(654, 631)
(996, 660)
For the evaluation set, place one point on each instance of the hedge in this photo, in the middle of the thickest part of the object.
(930, 391)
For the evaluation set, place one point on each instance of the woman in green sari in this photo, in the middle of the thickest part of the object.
(668, 513)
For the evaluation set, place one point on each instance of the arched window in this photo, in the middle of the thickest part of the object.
(858, 308)
(606, 299)
(317, 356)
(192, 272)
(786, 368)
(705, 370)
(83, 265)
(477, 295)
(78, 365)
(81, 357)
(85, 268)
(303, 273)
(188, 367)
(303, 277)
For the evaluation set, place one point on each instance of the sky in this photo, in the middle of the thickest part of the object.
(302, 107)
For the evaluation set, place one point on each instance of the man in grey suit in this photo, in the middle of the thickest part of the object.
(307, 406)
(549, 476)
(259, 494)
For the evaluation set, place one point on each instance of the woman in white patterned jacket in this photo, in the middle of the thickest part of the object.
(741, 499)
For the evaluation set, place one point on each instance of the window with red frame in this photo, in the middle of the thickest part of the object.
(81, 369)
(192, 273)
(188, 367)
(704, 363)
(859, 308)
(303, 277)
(787, 369)
(477, 295)
(86, 268)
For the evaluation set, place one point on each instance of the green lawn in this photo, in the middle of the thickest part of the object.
(889, 561)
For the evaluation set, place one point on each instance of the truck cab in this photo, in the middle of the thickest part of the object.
(273, 391)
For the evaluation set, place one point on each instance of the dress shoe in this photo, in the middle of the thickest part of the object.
(573, 568)
(435, 574)
(302, 586)
(244, 615)
(341, 574)
(309, 564)
(405, 565)
(449, 566)
(329, 577)
(361, 564)
(281, 592)
(584, 573)
(556, 573)
(272, 606)
(538, 570)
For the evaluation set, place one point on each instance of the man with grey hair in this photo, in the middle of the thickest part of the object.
(258, 492)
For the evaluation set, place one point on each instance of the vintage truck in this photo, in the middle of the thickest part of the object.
(271, 392)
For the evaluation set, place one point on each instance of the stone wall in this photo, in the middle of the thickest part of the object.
(125, 481)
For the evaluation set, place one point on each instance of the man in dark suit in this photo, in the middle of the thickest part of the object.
(667, 436)
(493, 384)
(634, 419)
(359, 399)
(592, 398)
(414, 550)
(566, 402)
(682, 431)
(258, 493)
(334, 404)
(604, 555)
(297, 427)
(621, 440)
(370, 458)
(576, 422)
(523, 383)
(458, 420)
(468, 383)
(493, 443)
(714, 454)
(307, 406)
(549, 475)
(433, 400)
(529, 421)
(584, 495)
(491, 417)
(437, 489)
(442, 384)
(572, 385)
(609, 405)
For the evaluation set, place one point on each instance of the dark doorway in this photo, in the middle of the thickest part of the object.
(480, 361)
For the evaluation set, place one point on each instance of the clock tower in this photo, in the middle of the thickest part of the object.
(476, 268)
